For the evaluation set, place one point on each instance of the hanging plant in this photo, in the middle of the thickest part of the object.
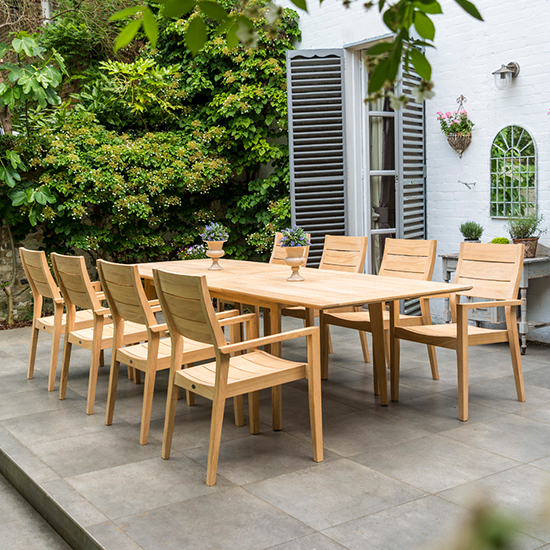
(457, 127)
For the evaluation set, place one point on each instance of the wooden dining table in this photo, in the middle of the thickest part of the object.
(266, 285)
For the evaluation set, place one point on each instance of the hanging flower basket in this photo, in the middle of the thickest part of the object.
(459, 142)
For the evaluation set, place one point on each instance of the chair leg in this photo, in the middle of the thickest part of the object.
(515, 352)
(238, 405)
(218, 407)
(137, 376)
(329, 341)
(148, 392)
(32, 355)
(323, 334)
(65, 367)
(387, 347)
(170, 417)
(395, 358)
(189, 395)
(254, 412)
(56, 337)
(277, 407)
(130, 373)
(111, 396)
(364, 346)
(433, 362)
(462, 362)
(101, 358)
(92, 381)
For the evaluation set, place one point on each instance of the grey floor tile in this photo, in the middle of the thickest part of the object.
(411, 525)
(112, 537)
(96, 451)
(513, 436)
(522, 492)
(244, 460)
(536, 412)
(135, 488)
(22, 528)
(355, 433)
(232, 520)
(539, 377)
(413, 462)
(310, 542)
(333, 493)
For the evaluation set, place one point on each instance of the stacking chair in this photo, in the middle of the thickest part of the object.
(494, 271)
(78, 291)
(43, 286)
(127, 302)
(403, 258)
(339, 254)
(189, 313)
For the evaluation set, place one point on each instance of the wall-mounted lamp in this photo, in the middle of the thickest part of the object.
(503, 77)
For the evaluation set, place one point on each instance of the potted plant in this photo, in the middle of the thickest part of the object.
(214, 235)
(295, 242)
(500, 240)
(526, 230)
(471, 231)
(458, 128)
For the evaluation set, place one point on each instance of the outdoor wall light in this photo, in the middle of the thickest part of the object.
(503, 77)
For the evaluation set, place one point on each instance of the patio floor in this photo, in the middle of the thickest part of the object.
(396, 477)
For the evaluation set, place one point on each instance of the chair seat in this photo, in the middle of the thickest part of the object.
(136, 355)
(133, 332)
(245, 374)
(445, 335)
(84, 319)
(349, 318)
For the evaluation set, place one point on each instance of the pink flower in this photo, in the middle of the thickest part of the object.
(448, 114)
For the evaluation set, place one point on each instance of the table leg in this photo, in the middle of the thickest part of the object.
(447, 312)
(274, 327)
(379, 356)
(523, 326)
(149, 287)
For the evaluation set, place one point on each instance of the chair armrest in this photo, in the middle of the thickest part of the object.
(264, 340)
(102, 311)
(100, 296)
(153, 303)
(158, 328)
(237, 319)
(493, 303)
(226, 314)
(96, 285)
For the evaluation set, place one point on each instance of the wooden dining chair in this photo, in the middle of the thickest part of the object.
(494, 271)
(340, 253)
(278, 252)
(405, 259)
(43, 286)
(79, 291)
(189, 313)
(128, 303)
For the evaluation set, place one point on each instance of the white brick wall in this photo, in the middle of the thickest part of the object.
(467, 53)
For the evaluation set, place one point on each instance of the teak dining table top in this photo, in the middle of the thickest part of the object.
(266, 285)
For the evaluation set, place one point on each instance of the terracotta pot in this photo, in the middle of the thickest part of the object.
(459, 142)
(215, 251)
(295, 259)
(530, 246)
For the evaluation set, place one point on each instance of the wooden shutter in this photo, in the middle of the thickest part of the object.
(317, 147)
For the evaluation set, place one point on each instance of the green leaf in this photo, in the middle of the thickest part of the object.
(302, 4)
(424, 25)
(3, 49)
(127, 34)
(378, 76)
(177, 8)
(40, 198)
(150, 26)
(18, 197)
(468, 7)
(213, 10)
(421, 64)
(432, 7)
(126, 12)
(379, 49)
(231, 38)
(196, 35)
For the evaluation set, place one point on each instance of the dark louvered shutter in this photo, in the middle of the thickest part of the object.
(317, 147)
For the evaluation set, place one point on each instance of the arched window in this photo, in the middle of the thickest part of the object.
(513, 173)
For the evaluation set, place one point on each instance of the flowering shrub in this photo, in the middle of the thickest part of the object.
(195, 252)
(456, 122)
(214, 232)
(294, 236)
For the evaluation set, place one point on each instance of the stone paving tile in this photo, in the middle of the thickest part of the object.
(512, 436)
(141, 486)
(522, 491)
(22, 528)
(413, 462)
(112, 537)
(310, 542)
(333, 493)
(232, 520)
(243, 460)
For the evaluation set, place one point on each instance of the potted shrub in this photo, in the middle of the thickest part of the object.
(471, 231)
(295, 242)
(214, 235)
(458, 129)
(526, 230)
(500, 240)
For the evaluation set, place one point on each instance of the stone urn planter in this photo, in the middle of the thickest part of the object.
(295, 259)
(215, 251)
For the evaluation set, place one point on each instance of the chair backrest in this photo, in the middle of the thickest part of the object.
(38, 273)
(408, 259)
(494, 270)
(74, 281)
(278, 253)
(344, 253)
(187, 307)
(125, 293)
